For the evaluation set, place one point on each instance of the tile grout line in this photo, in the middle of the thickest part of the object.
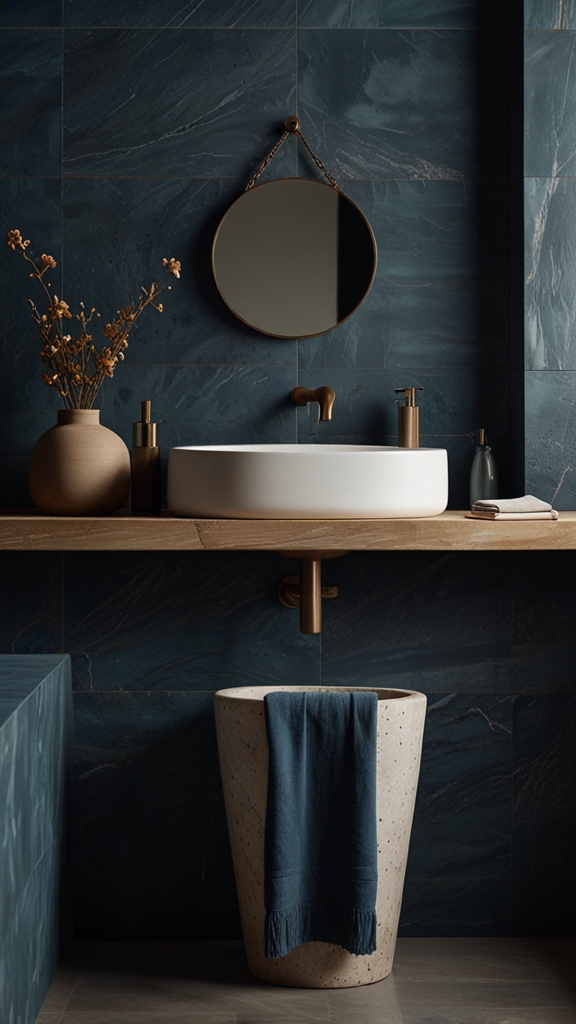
(71, 994)
(265, 28)
(109, 176)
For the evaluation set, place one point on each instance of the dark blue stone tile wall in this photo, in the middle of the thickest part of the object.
(162, 114)
(551, 14)
(488, 636)
(130, 130)
(550, 249)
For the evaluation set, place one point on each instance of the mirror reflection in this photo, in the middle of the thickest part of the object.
(294, 257)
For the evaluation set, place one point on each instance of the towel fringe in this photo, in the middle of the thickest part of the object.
(320, 921)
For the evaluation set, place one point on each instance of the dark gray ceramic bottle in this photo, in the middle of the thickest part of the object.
(483, 475)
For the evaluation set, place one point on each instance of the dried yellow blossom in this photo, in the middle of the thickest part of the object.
(15, 240)
(60, 308)
(172, 266)
(68, 359)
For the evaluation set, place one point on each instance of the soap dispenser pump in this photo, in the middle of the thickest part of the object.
(146, 479)
(408, 419)
(483, 475)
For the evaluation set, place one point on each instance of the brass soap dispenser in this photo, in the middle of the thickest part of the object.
(408, 419)
(146, 479)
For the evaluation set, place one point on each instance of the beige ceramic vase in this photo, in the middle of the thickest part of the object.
(79, 467)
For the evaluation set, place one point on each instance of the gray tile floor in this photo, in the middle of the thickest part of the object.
(435, 981)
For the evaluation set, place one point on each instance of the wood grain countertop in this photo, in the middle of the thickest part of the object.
(451, 531)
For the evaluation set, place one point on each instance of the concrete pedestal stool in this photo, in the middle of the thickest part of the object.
(243, 750)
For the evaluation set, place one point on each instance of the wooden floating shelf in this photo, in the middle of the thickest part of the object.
(30, 531)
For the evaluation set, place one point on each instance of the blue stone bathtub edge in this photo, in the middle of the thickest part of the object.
(11, 705)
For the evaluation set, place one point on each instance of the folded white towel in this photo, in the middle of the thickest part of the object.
(518, 516)
(526, 504)
(527, 507)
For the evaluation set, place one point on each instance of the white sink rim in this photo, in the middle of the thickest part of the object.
(307, 481)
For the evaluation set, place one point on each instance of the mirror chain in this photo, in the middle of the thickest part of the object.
(272, 154)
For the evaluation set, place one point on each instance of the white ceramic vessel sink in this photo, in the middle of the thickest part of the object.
(301, 481)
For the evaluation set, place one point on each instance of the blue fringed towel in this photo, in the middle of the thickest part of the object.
(320, 859)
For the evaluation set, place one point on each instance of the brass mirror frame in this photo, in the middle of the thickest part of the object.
(316, 334)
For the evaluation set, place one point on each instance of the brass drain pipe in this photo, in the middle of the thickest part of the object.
(310, 595)
(307, 591)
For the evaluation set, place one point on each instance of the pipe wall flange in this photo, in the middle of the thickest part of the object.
(289, 592)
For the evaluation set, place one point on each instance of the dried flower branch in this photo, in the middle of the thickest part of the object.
(77, 368)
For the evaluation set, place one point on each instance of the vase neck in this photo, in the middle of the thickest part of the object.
(88, 417)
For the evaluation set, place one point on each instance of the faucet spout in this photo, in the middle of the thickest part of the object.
(323, 395)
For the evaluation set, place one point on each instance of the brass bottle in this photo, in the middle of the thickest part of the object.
(408, 419)
(146, 477)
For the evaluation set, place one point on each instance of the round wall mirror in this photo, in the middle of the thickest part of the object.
(294, 257)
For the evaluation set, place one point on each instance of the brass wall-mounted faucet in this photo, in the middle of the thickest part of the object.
(324, 396)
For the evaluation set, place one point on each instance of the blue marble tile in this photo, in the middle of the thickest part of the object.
(545, 667)
(550, 258)
(31, 602)
(551, 437)
(544, 885)
(36, 739)
(462, 907)
(425, 621)
(404, 104)
(14, 474)
(22, 674)
(35, 747)
(214, 108)
(464, 802)
(30, 107)
(20, 429)
(544, 648)
(34, 943)
(183, 621)
(33, 205)
(399, 14)
(175, 14)
(555, 14)
(439, 297)
(54, 764)
(118, 231)
(152, 854)
(32, 13)
(549, 105)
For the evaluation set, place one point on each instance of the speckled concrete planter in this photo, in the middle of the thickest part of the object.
(243, 749)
